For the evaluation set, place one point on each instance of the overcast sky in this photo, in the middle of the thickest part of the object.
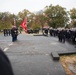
(14, 6)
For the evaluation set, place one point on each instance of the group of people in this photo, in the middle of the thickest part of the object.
(13, 32)
(7, 32)
(69, 34)
(62, 34)
(31, 31)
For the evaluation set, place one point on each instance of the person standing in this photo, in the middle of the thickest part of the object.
(9, 32)
(63, 36)
(14, 33)
(5, 32)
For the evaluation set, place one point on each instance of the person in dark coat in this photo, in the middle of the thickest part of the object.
(14, 33)
(50, 31)
(59, 36)
(46, 32)
(63, 36)
(5, 64)
(4, 31)
(9, 32)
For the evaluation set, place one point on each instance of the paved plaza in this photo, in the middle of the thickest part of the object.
(31, 55)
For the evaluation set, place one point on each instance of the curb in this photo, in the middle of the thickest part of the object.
(37, 35)
(56, 55)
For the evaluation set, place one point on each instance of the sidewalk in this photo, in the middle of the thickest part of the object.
(31, 55)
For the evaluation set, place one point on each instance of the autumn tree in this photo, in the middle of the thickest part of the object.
(5, 20)
(73, 17)
(57, 16)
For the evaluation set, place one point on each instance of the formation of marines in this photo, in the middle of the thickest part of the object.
(7, 32)
(62, 34)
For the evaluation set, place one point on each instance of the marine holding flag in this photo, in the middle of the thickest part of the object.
(14, 32)
(24, 24)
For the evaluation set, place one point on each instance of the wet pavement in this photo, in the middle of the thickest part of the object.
(31, 55)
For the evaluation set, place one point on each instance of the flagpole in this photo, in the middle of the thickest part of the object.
(14, 22)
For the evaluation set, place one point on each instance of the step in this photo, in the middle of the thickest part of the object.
(55, 55)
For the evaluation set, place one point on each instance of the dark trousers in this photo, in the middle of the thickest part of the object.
(14, 38)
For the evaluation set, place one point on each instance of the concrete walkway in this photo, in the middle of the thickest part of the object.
(31, 55)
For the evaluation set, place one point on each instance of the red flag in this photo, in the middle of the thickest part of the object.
(24, 24)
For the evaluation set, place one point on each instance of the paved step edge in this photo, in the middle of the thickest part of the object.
(56, 55)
